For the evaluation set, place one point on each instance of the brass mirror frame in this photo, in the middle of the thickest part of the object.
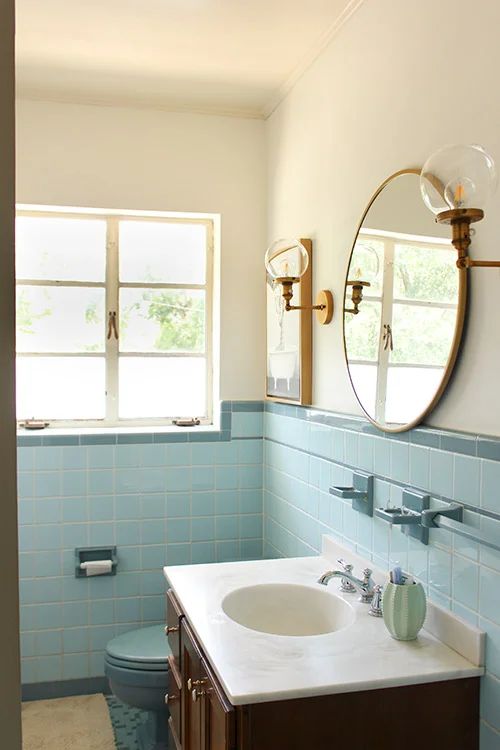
(457, 335)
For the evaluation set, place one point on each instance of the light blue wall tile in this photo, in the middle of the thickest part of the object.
(48, 537)
(74, 535)
(128, 457)
(127, 507)
(250, 527)
(75, 666)
(465, 582)
(490, 700)
(202, 454)
(48, 616)
(26, 511)
(49, 668)
(489, 595)
(203, 552)
(400, 461)
(127, 533)
(48, 511)
(101, 456)
(466, 480)
(101, 482)
(153, 506)
(47, 484)
(441, 475)
(227, 551)
(178, 479)
(440, 570)
(203, 503)
(226, 478)
(48, 459)
(178, 455)
(25, 485)
(492, 645)
(48, 564)
(153, 532)
(101, 508)
(74, 483)
(128, 610)
(203, 529)
(178, 554)
(490, 485)
(75, 640)
(226, 453)
(203, 478)
(419, 467)
(250, 477)
(153, 609)
(101, 534)
(178, 505)
(247, 424)
(178, 530)
(127, 584)
(250, 501)
(153, 556)
(26, 459)
(48, 642)
(74, 457)
(74, 510)
(226, 527)
(76, 613)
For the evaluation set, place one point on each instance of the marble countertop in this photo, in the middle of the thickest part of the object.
(255, 667)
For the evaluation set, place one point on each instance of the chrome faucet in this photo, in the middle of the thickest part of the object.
(365, 586)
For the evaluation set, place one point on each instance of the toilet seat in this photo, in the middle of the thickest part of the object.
(145, 649)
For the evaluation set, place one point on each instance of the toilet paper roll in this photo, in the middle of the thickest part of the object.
(97, 567)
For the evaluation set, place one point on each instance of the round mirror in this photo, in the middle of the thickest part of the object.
(404, 306)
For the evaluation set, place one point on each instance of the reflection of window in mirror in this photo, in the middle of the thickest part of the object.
(413, 290)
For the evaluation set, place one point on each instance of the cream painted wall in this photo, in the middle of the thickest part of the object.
(128, 158)
(398, 81)
(10, 694)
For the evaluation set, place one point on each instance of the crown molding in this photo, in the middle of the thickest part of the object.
(175, 107)
(312, 55)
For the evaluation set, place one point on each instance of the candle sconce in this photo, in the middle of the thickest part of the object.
(286, 263)
(356, 295)
(455, 183)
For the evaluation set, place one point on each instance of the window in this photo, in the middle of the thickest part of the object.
(114, 317)
(413, 286)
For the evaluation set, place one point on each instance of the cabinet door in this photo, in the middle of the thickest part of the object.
(174, 616)
(219, 719)
(193, 736)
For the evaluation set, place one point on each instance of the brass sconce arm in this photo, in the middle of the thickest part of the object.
(460, 220)
(324, 301)
(356, 296)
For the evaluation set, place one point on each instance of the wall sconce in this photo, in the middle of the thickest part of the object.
(286, 262)
(357, 295)
(456, 182)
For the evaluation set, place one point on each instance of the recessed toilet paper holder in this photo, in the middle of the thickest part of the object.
(92, 554)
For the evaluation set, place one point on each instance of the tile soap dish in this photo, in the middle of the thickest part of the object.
(409, 515)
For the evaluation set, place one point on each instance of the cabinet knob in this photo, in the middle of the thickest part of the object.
(171, 629)
(195, 694)
(170, 699)
(195, 683)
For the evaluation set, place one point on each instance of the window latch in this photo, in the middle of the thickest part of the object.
(112, 327)
(191, 422)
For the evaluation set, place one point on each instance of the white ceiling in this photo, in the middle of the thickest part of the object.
(227, 56)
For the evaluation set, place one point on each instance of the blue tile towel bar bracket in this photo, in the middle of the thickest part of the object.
(361, 492)
(424, 519)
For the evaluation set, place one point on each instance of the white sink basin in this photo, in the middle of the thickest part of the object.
(288, 609)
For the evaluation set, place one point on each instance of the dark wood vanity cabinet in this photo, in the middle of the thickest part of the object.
(437, 716)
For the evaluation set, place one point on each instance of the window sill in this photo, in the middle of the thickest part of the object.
(121, 435)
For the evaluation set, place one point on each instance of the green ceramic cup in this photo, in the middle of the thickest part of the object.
(403, 608)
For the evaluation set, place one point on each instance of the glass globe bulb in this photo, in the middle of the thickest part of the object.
(286, 259)
(458, 177)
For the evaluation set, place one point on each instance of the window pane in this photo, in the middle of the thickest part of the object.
(60, 387)
(425, 273)
(409, 392)
(364, 381)
(422, 335)
(162, 320)
(173, 253)
(362, 331)
(162, 387)
(60, 319)
(60, 249)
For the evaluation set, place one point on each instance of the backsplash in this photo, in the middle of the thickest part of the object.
(307, 451)
(193, 497)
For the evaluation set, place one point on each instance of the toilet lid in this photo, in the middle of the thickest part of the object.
(142, 646)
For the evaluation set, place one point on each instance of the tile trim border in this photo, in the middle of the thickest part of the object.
(452, 441)
(103, 436)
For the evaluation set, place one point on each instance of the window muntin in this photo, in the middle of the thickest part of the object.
(160, 366)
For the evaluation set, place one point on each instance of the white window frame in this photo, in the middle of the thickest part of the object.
(112, 286)
(387, 300)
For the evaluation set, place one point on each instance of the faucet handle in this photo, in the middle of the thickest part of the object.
(376, 603)
(346, 566)
(345, 584)
(367, 574)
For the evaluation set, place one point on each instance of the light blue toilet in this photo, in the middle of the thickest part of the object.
(137, 668)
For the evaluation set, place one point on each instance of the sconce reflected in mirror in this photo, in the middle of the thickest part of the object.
(456, 182)
(286, 262)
